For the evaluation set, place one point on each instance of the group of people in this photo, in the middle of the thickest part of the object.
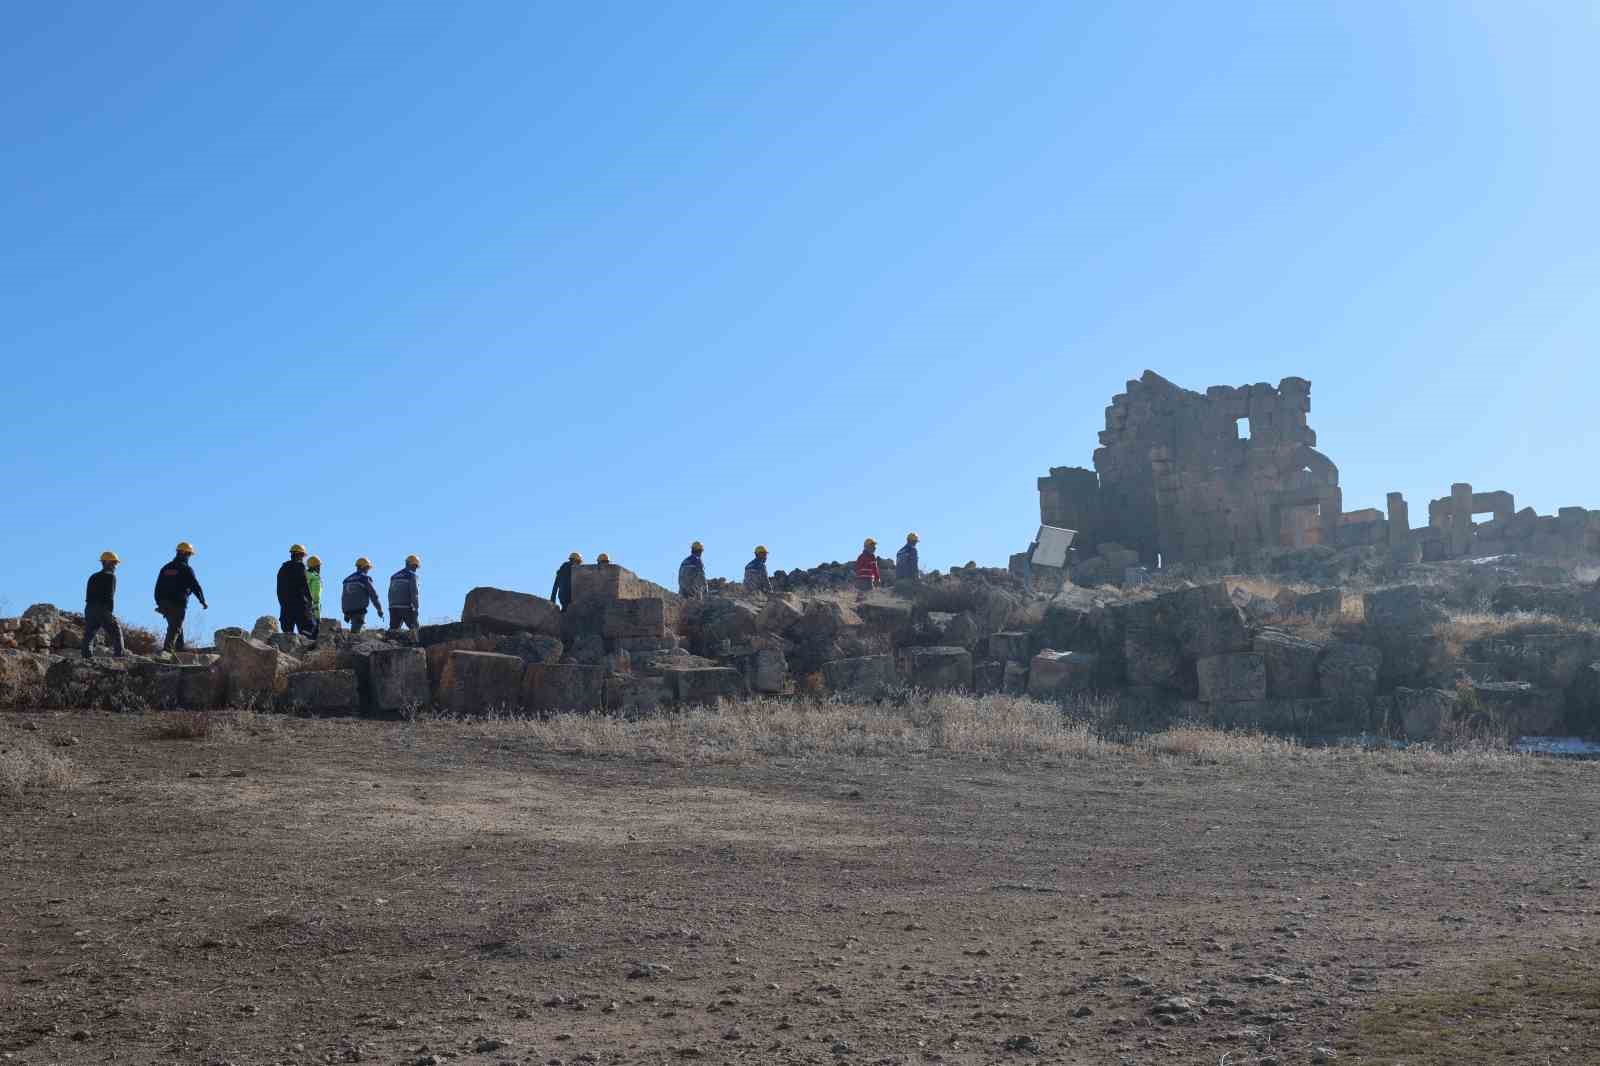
(692, 571)
(299, 597)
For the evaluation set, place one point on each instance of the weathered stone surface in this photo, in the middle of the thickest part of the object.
(1521, 708)
(22, 678)
(1324, 603)
(782, 610)
(500, 610)
(1423, 713)
(266, 626)
(642, 617)
(438, 653)
(718, 622)
(530, 647)
(1052, 674)
(290, 643)
(102, 684)
(480, 682)
(563, 687)
(988, 677)
(1403, 609)
(1291, 664)
(635, 697)
(1009, 647)
(1015, 680)
(449, 632)
(323, 692)
(226, 631)
(1151, 655)
(1349, 671)
(765, 670)
(1235, 677)
(255, 671)
(396, 679)
(705, 684)
(881, 611)
(939, 668)
(1547, 660)
(867, 675)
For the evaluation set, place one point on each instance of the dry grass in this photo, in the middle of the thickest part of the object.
(182, 725)
(27, 765)
(1462, 628)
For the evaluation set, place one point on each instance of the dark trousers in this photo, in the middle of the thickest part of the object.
(292, 618)
(402, 617)
(355, 619)
(96, 619)
(173, 612)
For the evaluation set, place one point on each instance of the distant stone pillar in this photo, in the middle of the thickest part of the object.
(1399, 520)
(1460, 534)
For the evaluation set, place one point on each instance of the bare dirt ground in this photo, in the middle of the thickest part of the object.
(311, 892)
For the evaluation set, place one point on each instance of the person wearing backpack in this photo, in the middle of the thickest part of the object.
(356, 593)
(404, 600)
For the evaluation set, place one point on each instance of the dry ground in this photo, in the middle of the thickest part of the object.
(285, 891)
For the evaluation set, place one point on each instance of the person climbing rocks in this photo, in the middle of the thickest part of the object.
(907, 567)
(100, 606)
(405, 598)
(356, 593)
(294, 595)
(867, 575)
(755, 572)
(561, 591)
(174, 585)
(692, 574)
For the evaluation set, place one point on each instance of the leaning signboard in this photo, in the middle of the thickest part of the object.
(1052, 545)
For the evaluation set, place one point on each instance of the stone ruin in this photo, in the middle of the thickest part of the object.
(1182, 477)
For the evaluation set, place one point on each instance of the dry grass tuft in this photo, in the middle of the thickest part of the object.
(1462, 628)
(1203, 744)
(27, 765)
(182, 725)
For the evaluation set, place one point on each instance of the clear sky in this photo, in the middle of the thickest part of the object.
(492, 282)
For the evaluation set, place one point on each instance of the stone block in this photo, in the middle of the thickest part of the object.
(503, 611)
(563, 687)
(449, 632)
(643, 617)
(706, 684)
(643, 645)
(1052, 674)
(867, 675)
(323, 692)
(1403, 608)
(781, 611)
(1522, 709)
(1349, 672)
(719, 622)
(988, 677)
(265, 628)
(1152, 656)
(1233, 677)
(291, 643)
(886, 613)
(637, 697)
(938, 668)
(1324, 603)
(1422, 713)
(255, 671)
(396, 679)
(530, 647)
(1015, 680)
(1291, 664)
(1009, 647)
(481, 682)
(222, 634)
(439, 653)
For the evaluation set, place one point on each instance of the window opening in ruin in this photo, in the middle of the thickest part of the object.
(1243, 429)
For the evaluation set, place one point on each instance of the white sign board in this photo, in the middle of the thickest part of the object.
(1052, 546)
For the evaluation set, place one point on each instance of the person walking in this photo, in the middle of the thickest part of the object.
(405, 595)
(314, 583)
(174, 585)
(294, 595)
(100, 606)
(755, 572)
(692, 574)
(867, 575)
(907, 567)
(561, 591)
(356, 593)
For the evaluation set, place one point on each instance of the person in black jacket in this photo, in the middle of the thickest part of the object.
(561, 591)
(174, 585)
(100, 606)
(294, 595)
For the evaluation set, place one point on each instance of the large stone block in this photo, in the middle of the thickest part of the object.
(529, 647)
(782, 610)
(867, 675)
(255, 671)
(1522, 709)
(1403, 608)
(1423, 713)
(1291, 664)
(1235, 677)
(939, 668)
(643, 617)
(503, 611)
(705, 684)
(449, 632)
(439, 653)
(396, 679)
(765, 670)
(480, 682)
(1349, 671)
(1009, 647)
(1052, 674)
(1152, 655)
(563, 687)
(323, 692)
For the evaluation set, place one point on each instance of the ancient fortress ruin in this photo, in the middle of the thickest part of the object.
(1185, 477)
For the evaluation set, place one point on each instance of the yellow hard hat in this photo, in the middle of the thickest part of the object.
(363, 563)
(185, 548)
(869, 543)
(912, 538)
(412, 560)
(314, 563)
(109, 557)
(297, 549)
(602, 558)
(697, 547)
(761, 549)
(574, 558)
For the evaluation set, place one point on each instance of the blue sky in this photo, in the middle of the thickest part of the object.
(494, 282)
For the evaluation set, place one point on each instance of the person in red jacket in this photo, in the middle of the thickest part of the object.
(867, 576)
